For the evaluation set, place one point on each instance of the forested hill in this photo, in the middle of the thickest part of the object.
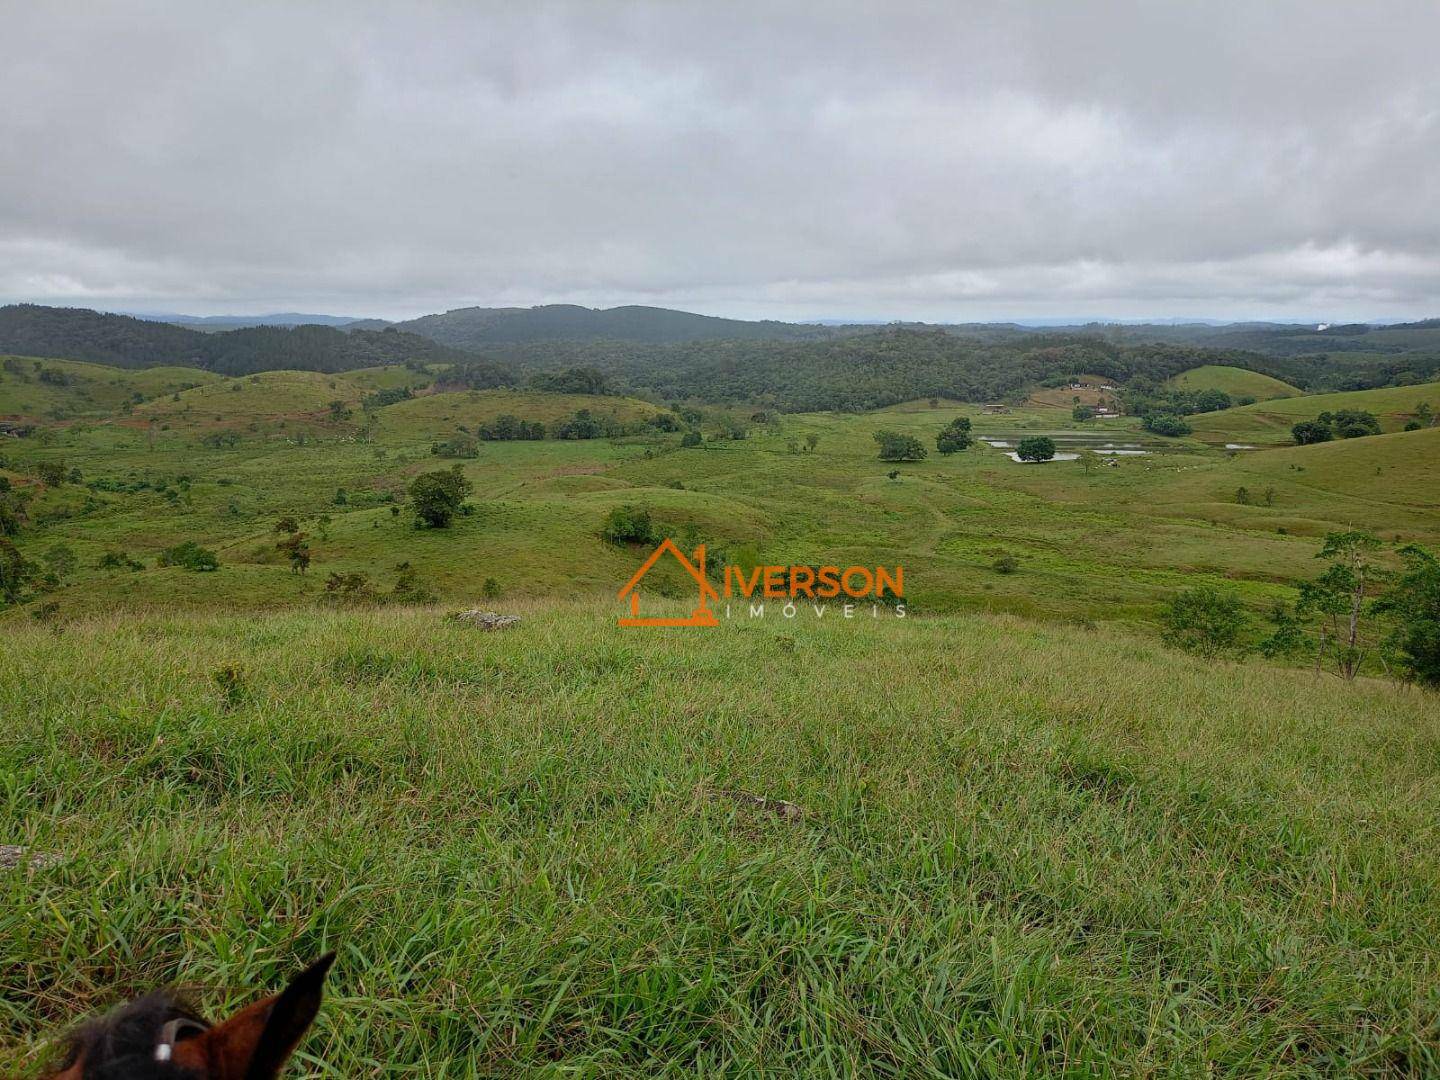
(863, 371)
(477, 327)
(81, 334)
(820, 368)
(319, 348)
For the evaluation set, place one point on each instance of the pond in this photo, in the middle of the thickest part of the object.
(1068, 446)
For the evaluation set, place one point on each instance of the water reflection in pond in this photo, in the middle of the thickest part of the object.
(1068, 447)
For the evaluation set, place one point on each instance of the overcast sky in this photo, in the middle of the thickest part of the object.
(942, 161)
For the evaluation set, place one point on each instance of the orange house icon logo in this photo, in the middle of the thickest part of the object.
(701, 616)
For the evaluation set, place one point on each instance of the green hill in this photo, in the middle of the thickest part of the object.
(1269, 422)
(1385, 483)
(1237, 382)
(436, 414)
(766, 848)
(265, 396)
(61, 389)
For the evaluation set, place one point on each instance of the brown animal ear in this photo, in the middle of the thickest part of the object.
(255, 1042)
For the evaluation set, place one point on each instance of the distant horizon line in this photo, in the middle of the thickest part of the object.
(1039, 321)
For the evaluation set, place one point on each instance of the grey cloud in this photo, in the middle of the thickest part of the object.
(939, 161)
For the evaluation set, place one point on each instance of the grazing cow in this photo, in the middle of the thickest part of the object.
(158, 1037)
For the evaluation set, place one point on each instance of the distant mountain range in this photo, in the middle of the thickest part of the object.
(476, 327)
(238, 322)
(555, 336)
(124, 341)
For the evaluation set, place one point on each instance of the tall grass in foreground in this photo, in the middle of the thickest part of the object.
(1022, 851)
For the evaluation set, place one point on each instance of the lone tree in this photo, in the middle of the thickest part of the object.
(1090, 460)
(296, 548)
(1036, 448)
(897, 447)
(61, 561)
(1338, 602)
(437, 496)
(16, 572)
(955, 437)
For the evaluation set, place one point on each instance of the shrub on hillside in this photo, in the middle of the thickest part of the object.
(1167, 424)
(580, 426)
(351, 587)
(189, 556)
(1344, 424)
(1352, 423)
(1205, 620)
(390, 396)
(628, 525)
(118, 560)
(409, 588)
(1309, 432)
(1413, 603)
(458, 445)
(505, 428)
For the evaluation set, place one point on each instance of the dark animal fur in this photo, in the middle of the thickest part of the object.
(121, 1044)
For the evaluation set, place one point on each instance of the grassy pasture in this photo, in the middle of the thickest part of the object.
(1104, 547)
(267, 395)
(1031, 842)
(440, 414)
(1237, 382)
(1269, 422)
(536, 853)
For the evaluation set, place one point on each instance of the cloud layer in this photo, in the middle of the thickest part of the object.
(940, 161)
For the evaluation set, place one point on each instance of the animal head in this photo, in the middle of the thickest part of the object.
(158, 1037)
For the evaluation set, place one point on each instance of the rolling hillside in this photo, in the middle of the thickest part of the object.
(1269, 422)
(1384, 483)
(1237, 382)
(268, 396)
(430, 415)
(61, 389)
